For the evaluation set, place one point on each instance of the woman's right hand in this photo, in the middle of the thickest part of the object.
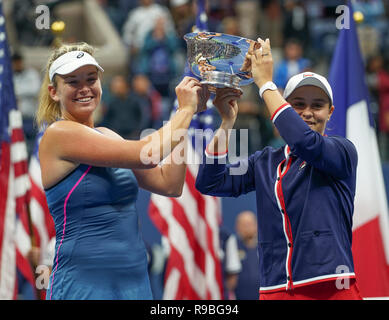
(262, 63)
(191, 95)
(226, 103)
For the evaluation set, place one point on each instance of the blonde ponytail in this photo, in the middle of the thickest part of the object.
(49, 110)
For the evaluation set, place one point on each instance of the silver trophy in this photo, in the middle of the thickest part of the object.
(220, 59)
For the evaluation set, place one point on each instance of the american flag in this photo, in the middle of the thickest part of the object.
(42, 222)
(190, 223)
(15, 240)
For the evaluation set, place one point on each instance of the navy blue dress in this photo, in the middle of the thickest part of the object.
(99, 252)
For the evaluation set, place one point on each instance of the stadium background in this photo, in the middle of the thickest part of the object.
(106, 25)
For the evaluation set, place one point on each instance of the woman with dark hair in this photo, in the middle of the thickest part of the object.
(305, 190)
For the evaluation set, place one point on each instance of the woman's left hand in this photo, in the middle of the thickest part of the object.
(226, 103)
(262, 63)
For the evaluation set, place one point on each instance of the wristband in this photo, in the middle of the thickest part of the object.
(267, 86)
(215, 155)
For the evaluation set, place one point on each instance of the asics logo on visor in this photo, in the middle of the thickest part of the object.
(81, 54)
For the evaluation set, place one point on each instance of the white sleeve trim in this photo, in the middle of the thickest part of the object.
(280, 111)
(220, 156)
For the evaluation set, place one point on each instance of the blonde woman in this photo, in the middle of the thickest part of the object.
(91, 178)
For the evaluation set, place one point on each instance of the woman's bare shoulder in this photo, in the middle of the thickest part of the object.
(63, 126)
(109, 132)
(62, 130)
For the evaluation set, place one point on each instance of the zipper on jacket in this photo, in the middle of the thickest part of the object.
(285, 219)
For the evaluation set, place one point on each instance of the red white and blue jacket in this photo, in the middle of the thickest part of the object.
(305, 201)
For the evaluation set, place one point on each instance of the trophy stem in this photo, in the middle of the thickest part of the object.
(219, 79)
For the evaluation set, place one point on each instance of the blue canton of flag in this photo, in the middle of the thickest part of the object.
(7, 100)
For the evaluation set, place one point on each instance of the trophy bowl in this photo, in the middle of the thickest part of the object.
(219, 59)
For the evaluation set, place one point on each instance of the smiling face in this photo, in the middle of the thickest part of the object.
(78, 93)
(313, 105)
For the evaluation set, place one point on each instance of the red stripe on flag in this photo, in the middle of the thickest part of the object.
(185, 289)
(22, 213)
(38, 194)
(37, 236)
(17, 135)
(181, 218)
(157, 219)
(203, 256)
(20, 168)
(24, 267)
(15, 295)
(375, 282)
(4, 176)
(190, 181)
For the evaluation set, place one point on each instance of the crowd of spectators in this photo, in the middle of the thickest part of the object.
(303, 36)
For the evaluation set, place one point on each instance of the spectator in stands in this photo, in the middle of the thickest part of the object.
(213, 24)
(182, 13)
(292, 64)
(157, 57)
(296, 22)
(370, 30)
(271, 22)
(124, 112)
(230, 25)
(27, 82)
(373, 66)
(378, 81)
(231, 265)
(248, 15)
(150, 100)
(24, 19)
(219, 9)
(117, 11)
(248, 280)
(141, 21)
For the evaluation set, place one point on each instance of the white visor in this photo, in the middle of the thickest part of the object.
(71, 61)
(308, 79)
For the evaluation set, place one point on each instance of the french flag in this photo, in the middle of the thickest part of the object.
(352, 119)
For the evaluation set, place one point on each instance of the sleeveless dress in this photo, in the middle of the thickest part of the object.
(99, 251)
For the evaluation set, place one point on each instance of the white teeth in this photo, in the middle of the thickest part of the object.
(84, 99)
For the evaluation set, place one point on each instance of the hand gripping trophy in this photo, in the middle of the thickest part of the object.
(220, 60)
